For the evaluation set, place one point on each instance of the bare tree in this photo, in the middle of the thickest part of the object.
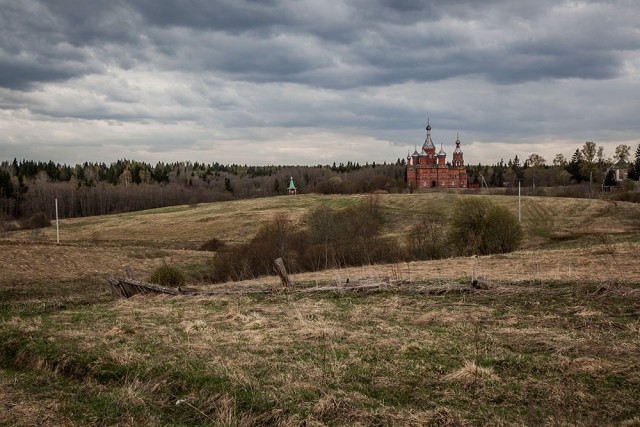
(560, 160)
(623, 153)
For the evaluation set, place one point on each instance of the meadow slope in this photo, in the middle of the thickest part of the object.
(554, 341)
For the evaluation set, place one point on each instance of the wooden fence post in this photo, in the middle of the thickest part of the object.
(282, 272)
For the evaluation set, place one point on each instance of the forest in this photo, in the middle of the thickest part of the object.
(30, 187)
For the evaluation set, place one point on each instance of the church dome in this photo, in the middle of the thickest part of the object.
(428, 143)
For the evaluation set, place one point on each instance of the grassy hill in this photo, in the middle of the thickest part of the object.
(187, 227)
(555, 340)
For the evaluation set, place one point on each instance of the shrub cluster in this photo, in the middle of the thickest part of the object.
(480, 227)
(334, 238)
(38, 220)
(327, 238)
(212, 245)
(7, 225)
(627, 196)
(427, 240)
(167, 276)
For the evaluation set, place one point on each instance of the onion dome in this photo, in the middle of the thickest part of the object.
(441, 152)
(457, 150)
(428, 143)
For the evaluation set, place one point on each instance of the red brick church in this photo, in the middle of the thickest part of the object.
(426, 169)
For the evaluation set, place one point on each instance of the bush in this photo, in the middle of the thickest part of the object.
(427, 240)
(227, 264)
(168, 276)
(39, 220)
(502, 231)
(348, 237)
(213, 245)
(627, 196)
(278, 239)
(332, 238)
(7, 225)
(479, 226)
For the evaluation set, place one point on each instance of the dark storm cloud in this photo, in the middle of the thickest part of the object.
(245, 69)
(52, 41)
(225, 15)
(20, 75)
(334, 45)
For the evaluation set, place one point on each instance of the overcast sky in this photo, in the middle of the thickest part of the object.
(315, 81)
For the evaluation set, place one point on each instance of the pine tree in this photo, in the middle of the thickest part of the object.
(610, 178)
(6, 187)
(634, 170)
(227, 185)
(573, 167)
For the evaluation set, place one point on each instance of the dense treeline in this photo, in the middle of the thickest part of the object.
(28, 187)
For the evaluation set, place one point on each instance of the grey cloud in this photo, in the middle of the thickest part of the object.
(366, 43)
(225, 15)
(40, 45)
(495, 68)
(20, 76)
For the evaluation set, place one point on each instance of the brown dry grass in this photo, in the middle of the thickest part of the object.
(49, 262)
(554, 341)
(234, 222)
(398, 358)
(471, 373)
(141, 241)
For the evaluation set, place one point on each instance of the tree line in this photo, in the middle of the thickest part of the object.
(588, 163)
(28, 187)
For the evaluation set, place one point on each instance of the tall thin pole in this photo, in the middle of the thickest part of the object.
(519, 208)
(57, 223)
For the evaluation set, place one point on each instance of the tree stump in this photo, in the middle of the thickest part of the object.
(282, 272)
(479, 284)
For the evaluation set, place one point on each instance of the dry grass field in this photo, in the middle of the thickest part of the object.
(554, 341)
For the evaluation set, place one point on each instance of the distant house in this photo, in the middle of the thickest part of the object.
(620, 171)
(426, 169)
(292, 187)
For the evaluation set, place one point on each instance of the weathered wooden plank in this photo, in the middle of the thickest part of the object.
(126, 288)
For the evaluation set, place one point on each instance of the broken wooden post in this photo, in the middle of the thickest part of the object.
(282, 272)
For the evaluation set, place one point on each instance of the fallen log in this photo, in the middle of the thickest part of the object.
(126, 288)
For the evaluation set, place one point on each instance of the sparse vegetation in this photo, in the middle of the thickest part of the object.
(327, 238)
(553, 341)
(38, 220)
(213, 245)
(427, 240)
(166, 275)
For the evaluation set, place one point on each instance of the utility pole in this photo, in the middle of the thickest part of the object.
(57, 223)
(519, 206)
